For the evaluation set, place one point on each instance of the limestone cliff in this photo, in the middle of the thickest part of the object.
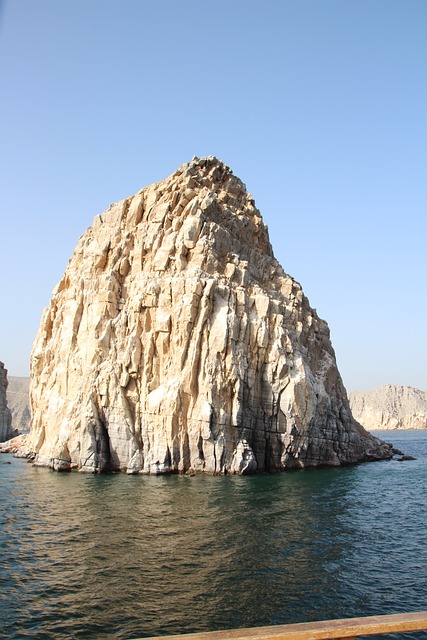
(390, 407)
(6, 430)
(176, 342)
(19, 402)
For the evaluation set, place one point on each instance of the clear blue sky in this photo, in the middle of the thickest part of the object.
(319, 106)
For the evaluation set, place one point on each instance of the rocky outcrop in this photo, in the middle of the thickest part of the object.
(18, 401)
(175, 342)
(18, 445)
(6, 430)
(390, 407)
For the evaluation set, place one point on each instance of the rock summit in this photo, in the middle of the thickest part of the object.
(175, 342)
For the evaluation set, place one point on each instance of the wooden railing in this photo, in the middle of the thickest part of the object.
(325, 630)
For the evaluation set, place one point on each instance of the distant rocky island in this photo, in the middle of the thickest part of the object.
(390, 407)
(175, 342)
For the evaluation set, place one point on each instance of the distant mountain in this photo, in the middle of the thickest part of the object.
(18, 402)
(390, 407)
(6, 429)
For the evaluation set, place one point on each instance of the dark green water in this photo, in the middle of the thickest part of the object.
(130, 556)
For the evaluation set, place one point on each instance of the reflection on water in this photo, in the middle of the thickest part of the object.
(127, 556)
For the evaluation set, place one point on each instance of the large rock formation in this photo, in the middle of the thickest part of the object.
(176, 342)
(6, 431)
(390, 407)
(19, 402)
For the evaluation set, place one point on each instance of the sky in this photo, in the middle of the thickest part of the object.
(319, 106)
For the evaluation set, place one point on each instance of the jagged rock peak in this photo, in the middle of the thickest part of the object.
(203, 190)
(176, 342)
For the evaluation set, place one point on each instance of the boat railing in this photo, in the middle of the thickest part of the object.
(349, 628)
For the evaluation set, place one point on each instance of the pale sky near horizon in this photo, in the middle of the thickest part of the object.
(319, 106)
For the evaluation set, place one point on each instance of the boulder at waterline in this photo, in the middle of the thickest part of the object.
(175, 342)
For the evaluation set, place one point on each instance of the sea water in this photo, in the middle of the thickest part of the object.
(119, 556)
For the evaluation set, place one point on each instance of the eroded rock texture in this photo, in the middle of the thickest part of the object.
(176, 342)
(6, 431)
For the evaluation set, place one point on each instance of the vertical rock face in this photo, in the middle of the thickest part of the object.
(175, 342)
(6, 431)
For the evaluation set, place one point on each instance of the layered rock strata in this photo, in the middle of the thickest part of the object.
(390, 407)
(6, 430)
(176, 342)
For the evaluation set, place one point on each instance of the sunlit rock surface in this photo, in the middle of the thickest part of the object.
(175, 342)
